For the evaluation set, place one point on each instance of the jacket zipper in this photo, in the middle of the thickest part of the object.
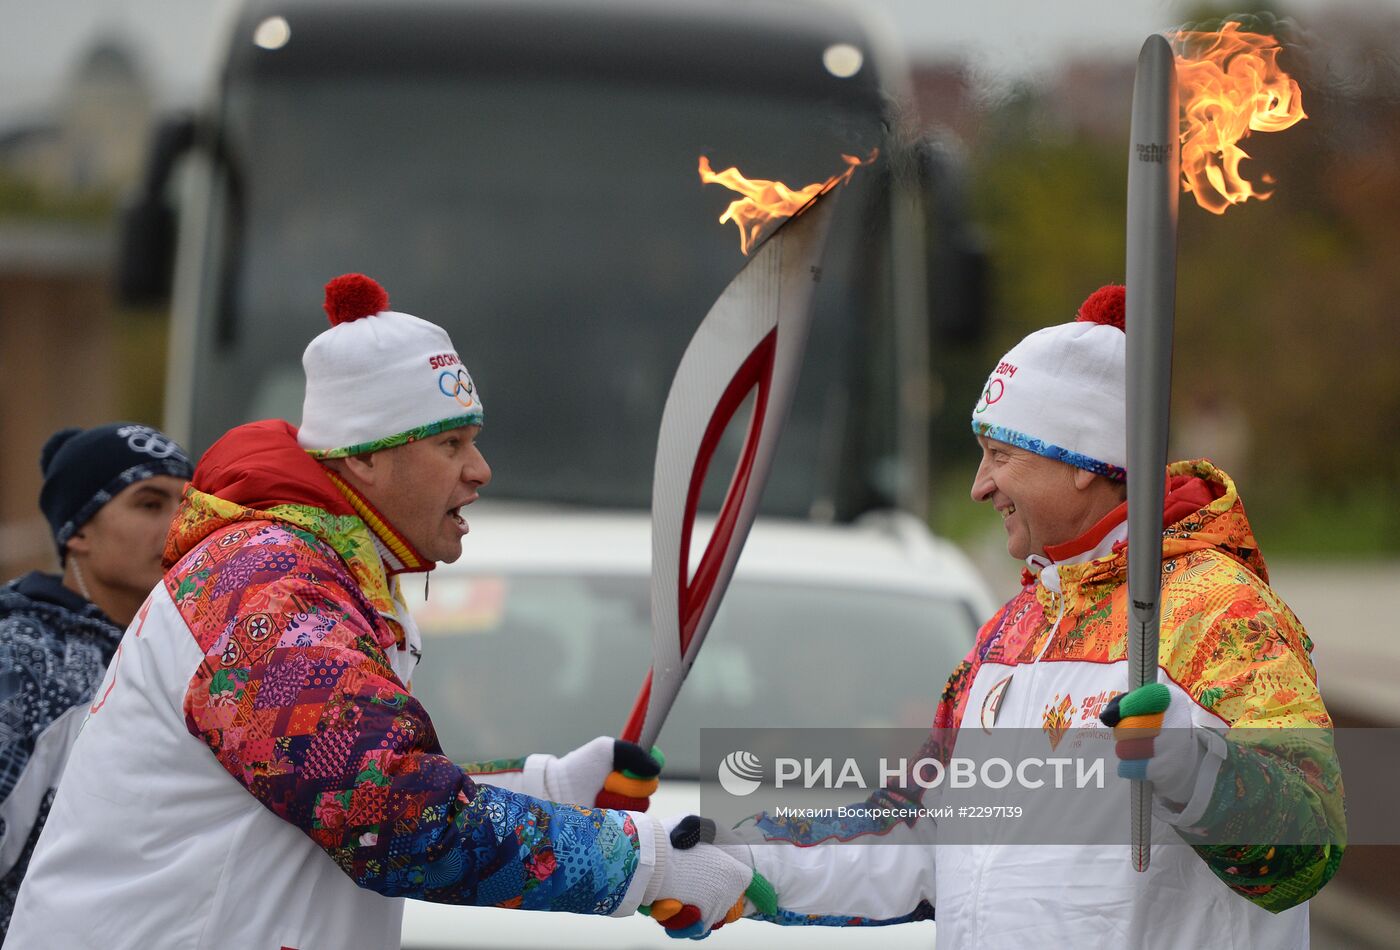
(986, 856)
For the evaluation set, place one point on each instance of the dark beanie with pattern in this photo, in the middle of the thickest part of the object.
(86, 468)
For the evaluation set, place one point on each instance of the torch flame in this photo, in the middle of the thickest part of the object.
(766, 201)
(1230, 84)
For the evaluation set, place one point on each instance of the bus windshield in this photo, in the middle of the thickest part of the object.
(559, 231)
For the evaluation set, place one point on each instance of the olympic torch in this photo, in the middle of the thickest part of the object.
(1153, 176)
(752, 341)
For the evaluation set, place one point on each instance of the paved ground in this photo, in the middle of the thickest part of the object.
(1341, 920)
(1348, 610)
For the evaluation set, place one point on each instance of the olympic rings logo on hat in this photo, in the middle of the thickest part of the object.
(148, 440)
(989, 396)
(457, 385)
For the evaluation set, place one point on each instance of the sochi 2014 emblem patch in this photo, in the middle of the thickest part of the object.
(1057, 719)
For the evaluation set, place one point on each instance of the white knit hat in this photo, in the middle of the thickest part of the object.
(1060, 392)
(378, 378)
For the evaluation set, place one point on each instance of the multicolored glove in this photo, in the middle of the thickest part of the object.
(701, 885)
(606, 773)
(1155, 741)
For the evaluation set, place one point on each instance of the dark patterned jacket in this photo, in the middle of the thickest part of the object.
(54, 648)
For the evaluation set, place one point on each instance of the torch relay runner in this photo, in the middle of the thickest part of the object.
(254, 770)
(1050, 427)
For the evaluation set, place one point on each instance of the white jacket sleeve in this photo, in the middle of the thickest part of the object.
(877, 876)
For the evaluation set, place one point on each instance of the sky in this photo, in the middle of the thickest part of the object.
(1006, 32)
(40, 41)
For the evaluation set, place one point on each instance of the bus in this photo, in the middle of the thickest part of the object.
(524, 174)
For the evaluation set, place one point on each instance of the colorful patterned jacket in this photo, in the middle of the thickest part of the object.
(1046, 663)
(54, 645)
(254, 771)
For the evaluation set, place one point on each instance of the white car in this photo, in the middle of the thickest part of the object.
(538, 639)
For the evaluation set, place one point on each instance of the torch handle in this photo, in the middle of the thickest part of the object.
(1153, 173)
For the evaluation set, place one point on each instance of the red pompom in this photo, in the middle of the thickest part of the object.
(352, 296)
(1106, 305)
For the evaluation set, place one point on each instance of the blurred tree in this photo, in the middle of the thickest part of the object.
(1286, 348)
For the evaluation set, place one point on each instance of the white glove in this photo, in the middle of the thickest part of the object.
(592, 775)
(1168, 753)
(695, 885)
(1176, 761)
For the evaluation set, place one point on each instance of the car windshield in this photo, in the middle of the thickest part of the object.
(522, 663)
(506, 232)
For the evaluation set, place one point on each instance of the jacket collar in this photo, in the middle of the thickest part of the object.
(48, 589)
(396, 552)
(1095, 545)
(61, 613)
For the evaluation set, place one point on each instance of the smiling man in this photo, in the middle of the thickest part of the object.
(1246, 832)
(255, 771)
(108, 494)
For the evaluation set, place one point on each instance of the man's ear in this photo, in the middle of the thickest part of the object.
(1083, 478)
(78, 543)
(362, 467)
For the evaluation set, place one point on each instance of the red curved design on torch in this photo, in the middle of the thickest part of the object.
(633, 730)
(756, 370)
(695, 592)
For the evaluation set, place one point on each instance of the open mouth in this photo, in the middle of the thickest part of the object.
(457, 513)
(1007, 512)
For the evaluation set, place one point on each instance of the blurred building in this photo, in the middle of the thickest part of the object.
(57, 366)
(94, 138)
(943, 99)
(1088, 99)
(1092, 98)
(60, 359)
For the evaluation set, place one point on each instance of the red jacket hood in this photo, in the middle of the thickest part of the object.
(1185, 494)
(260, 465)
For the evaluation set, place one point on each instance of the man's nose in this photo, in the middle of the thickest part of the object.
(982, 484)
(477, 471)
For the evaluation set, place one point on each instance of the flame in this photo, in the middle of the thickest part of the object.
(766, 201)
(1230, 85)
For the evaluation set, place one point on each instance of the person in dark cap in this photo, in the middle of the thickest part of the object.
(109, 494)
